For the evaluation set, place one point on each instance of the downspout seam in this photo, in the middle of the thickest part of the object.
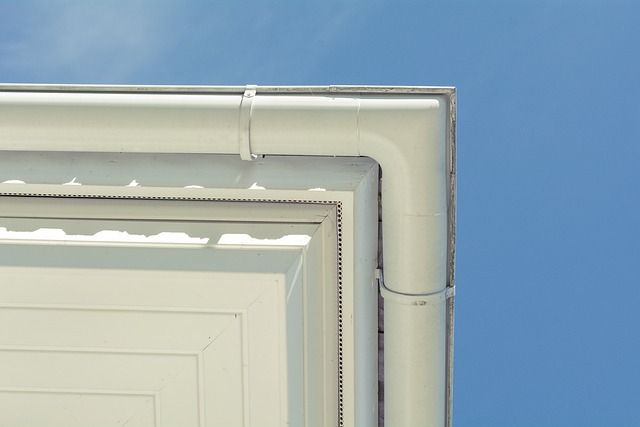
(416, 299)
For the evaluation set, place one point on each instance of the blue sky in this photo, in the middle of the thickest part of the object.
(549, 144)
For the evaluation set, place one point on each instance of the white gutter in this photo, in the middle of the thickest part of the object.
(408, 131)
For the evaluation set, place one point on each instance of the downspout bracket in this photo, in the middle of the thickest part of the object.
(244, 136)
(414, 299)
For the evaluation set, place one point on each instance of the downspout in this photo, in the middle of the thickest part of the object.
(406, 134)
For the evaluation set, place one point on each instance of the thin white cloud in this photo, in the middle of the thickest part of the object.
(308, 35)
(120, 41)
(95, 41)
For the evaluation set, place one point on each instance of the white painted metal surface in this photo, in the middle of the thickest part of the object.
(351, 188)
(121, 301)
(180, 344)
(408, 131)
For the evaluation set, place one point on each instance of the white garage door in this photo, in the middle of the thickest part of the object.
(154, 304)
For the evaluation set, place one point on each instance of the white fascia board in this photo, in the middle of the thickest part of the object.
(183, 171)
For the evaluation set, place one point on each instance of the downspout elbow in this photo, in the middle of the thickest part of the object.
(407, 137)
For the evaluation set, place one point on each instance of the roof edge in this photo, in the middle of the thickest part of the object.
(204, 89)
